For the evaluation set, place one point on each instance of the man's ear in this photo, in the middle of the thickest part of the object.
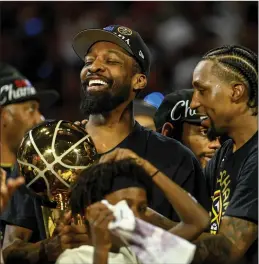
(5, 117)
(139, 82)
(238, 91)
(167, 130)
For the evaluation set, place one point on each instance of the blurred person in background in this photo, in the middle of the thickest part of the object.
(19, 109)
(144, 109)
(225, 85)
(174, 118)
(20, 104)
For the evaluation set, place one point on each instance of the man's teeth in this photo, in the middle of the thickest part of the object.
(97, 82)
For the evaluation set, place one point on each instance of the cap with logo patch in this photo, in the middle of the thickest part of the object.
(15, 88)
(124, 37)
(175, 109)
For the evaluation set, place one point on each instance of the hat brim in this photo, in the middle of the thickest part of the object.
(195, 120)
(84, 40)
(46, 98)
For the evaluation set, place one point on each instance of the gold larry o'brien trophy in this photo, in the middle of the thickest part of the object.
(50, 157)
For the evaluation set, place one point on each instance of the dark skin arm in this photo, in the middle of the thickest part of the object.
(229, 246)
(159, 220)
(194, 219)
(17, 248)
(101, 255)
(99, 216)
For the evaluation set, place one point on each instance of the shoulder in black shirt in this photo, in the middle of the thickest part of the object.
(23, 210)
(233, 179)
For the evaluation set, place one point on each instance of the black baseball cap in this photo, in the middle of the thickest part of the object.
(15, 88)
(124, 37)
(175, 109)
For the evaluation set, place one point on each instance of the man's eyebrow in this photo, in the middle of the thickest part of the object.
(111, 51)
(198, 84)
(119, 53)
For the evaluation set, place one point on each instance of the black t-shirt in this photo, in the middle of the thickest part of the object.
(167, 154)
(173, 159)
(233, 179)
(10, 170)
(24, 209)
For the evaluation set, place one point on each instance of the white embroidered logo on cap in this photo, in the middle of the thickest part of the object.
(127, 40)
(188, 110)
(141, 54)
(8, 93)
(125, 31)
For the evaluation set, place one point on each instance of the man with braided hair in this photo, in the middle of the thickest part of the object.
(225, 84)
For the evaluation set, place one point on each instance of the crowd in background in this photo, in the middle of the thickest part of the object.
(36, 38)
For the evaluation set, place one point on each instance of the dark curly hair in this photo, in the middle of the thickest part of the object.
(99, 180)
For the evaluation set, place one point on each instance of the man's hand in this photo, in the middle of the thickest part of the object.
(82, 123)
(99, 216)
(122, 154)
(7, 189)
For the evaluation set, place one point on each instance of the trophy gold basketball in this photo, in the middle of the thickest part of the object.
(50, 158)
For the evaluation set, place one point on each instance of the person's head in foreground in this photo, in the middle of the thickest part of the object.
(116, 181)
(19, 105)
(225, 85)
(117, 65)
(145, 109)
(175, 119)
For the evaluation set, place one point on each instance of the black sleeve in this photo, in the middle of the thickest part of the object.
(20, 210)
(244, 202)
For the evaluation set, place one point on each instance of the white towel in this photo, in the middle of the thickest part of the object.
(151, 244)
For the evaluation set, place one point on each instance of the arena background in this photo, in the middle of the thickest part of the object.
(36, 38)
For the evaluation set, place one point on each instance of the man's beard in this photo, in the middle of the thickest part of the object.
(102, 102)
(215, 132)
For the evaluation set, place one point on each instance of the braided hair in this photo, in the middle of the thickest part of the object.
(99, 180)
(237, 63)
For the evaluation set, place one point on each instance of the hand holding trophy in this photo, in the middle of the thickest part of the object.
(50, 157)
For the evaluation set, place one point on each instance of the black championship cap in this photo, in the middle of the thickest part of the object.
(124, 37)
(175, 109)
(15, 88)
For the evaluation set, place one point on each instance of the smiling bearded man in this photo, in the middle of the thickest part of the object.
(117, 66)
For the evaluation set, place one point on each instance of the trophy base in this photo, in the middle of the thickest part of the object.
(51, 217)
